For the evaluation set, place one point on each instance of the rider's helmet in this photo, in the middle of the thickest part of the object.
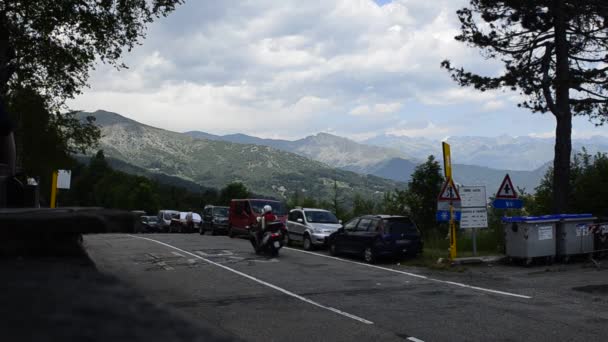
(267, 209)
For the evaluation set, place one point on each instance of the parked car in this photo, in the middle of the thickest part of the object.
(311, 226)
(243, 214)
(185, 222)
(373, 236)
(193, 222)
(164, 219)
(150, 224)
(215, 220)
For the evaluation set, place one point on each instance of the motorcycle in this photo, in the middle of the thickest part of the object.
(272, 239)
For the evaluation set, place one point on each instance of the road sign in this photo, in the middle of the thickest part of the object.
(442, 205)
(449, 193)
(473, 196)
(447, 160)
(474, 218)
(501, 203)
(444, 215)
(506, 190)
(63, 179)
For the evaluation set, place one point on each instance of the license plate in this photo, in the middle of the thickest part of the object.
(277, 244)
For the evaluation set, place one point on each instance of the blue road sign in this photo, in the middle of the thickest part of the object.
(444, 215)
(501, 203)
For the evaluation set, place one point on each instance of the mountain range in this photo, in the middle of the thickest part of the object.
(385, 162)
(503, 152)
(215, 163)
(312, 164)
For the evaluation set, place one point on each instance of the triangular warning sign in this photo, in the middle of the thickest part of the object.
(449, 192)
(507, 190)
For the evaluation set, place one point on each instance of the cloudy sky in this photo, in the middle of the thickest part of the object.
(291, 68)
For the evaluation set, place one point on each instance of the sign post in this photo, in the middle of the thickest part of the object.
(53, 189)
(60, 180)
(449, 194)
(474, 211)
(447, 160)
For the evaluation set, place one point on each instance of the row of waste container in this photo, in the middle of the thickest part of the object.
(551, 236)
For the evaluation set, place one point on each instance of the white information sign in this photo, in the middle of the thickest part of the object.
(63, 179)
(473, 196)
(474, 218)
(545, 232)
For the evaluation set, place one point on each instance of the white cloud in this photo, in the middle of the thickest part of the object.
(431, 130)
(379, 109)
(542, 135)
(493, 105)
(301, 65)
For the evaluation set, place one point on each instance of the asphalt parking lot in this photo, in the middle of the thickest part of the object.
(302, 296)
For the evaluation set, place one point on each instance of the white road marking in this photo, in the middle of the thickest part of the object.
(416, 275)
(177, 254)
(415, 339)
(287, 292)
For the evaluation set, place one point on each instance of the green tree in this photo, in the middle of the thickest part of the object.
(45, 141)
(362, 206)
(423, 189)
(232, 191)
(588, 181)
(395, 203)
(554, 53)
(50, 45)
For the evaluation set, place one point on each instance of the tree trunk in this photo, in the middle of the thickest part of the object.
(561, 164)
(563, 130)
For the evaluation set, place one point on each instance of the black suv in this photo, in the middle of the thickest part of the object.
(372, 236)
(215, 220)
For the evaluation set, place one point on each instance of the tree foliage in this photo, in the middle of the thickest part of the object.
(363, 206)
(554, 54)
(46, 140)
(589, 183)
(50, 45)
(423, 189)
(232, 191)
(395, 203)
(97, 184)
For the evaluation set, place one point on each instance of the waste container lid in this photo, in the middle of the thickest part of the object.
(546, 218)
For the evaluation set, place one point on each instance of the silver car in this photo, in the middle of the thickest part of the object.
(311, 226)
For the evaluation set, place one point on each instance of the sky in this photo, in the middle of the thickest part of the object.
(291, 68)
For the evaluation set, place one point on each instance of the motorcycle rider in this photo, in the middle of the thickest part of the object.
(266, 218)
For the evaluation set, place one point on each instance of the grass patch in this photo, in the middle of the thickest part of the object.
(436, 246)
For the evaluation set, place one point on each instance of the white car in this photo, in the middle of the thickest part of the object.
(311, 226)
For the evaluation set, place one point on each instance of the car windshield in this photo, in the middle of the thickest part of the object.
(151, 219)
(223, 212)
(399, 225)
(168, 215)
(277, 207)
(320, 217)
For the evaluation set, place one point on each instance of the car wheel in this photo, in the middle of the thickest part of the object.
(287, 241)
(213, 232)
(307, 243)
(230, 232)
(368, 255)
(201, 230)
(333, 249)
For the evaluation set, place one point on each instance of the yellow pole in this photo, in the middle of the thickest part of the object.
(54, 189)
(452, 233)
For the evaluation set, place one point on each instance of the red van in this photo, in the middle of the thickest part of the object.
(244, 213)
